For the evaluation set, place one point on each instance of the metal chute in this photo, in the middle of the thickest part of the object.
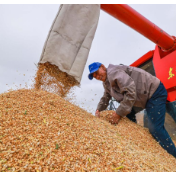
(70, 37)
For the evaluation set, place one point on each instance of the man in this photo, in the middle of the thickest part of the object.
(134, 87)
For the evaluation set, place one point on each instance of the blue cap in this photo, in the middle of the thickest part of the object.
(93, 68)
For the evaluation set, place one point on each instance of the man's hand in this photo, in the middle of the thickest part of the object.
(97, 113)
(115, 118)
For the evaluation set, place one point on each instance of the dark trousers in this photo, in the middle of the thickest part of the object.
(156, 109)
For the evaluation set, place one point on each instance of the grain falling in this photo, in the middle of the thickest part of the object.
(50, 78)
(42, 132)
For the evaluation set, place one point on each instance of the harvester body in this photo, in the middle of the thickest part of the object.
(159, 62)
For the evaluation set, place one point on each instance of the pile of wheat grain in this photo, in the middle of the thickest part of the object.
(40, 131)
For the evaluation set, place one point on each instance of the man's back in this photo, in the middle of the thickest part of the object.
(144, 81)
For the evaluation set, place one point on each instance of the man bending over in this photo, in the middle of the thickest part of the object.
(134, 87)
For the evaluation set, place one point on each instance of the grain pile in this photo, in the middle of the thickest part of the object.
(40, 131)
(50, 78)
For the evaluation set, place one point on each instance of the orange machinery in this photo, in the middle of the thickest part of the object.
(160, 62)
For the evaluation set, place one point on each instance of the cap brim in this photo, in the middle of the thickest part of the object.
(90, 76)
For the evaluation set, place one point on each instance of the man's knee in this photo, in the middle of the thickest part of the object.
(132, 118)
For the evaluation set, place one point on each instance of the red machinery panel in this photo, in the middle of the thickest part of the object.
(143, 59)
(165, 70)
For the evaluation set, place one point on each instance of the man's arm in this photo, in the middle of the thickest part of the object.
(104, 101)
(127, 87)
